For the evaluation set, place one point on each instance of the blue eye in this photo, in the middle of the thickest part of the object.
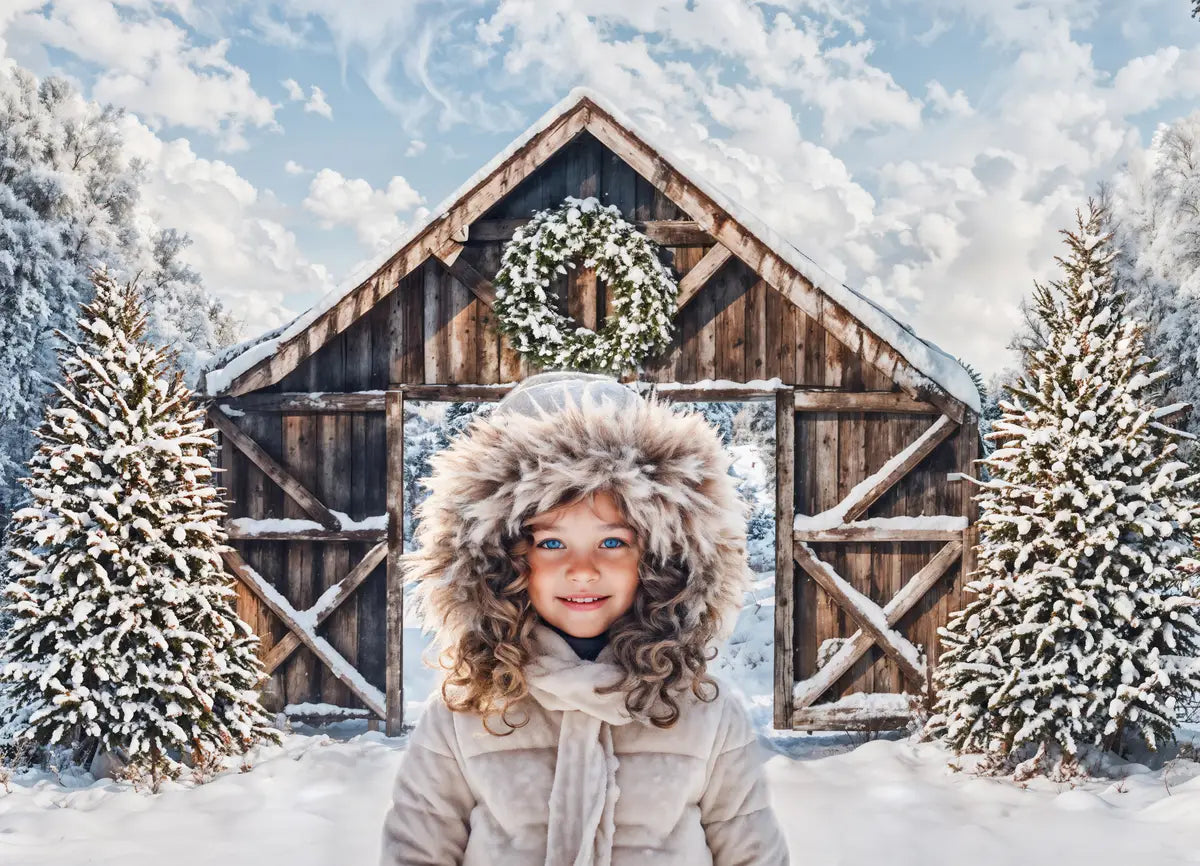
(604, 544)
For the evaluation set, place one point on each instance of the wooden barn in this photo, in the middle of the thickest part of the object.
(876, 430)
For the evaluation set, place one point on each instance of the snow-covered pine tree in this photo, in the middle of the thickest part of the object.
(1071, 640)
(125, 638)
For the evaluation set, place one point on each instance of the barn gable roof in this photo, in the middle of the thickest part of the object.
(918, 366)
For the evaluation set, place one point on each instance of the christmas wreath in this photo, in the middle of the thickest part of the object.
(583, 231)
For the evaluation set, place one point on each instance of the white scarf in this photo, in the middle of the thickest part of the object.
(584, 794)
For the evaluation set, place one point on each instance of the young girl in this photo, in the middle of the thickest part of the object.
(580, 551)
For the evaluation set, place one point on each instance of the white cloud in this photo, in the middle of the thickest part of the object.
(371, 213)
(415, 148)
(944, 102)
(294, 91)
(151, 65)
(247, 257)
(293, 167)
(317, 104)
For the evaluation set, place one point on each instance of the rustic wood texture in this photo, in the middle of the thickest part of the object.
(302, 673)
(668, 233)
(785, 509)
(811, 689)
(238, 566)
(883, 639)
(703, 271)
(924, 445)
(861, 401)
(310, 505)
(395, 575)
(346, 588)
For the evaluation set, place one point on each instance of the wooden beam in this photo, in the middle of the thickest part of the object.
(819, 718)
(807, 692)
(295, 402)
(785, 586)
(274, 470)
(345, 588)
(768, 264)
(694, 280)
(473, 204)
(487, 393)
(395, 574)
(369, 536)
(667, 233)
(910, 457)
(320, 648)
(873, 533)
(462, 271)
(823, 400)
(840, 591)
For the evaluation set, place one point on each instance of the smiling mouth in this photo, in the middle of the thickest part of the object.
(584, 602)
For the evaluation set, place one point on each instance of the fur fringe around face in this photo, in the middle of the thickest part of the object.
(668, 469)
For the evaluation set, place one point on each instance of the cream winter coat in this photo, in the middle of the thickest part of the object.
(686, 796)
(581, 784)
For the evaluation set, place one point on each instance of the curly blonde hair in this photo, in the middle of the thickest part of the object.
(662, 651)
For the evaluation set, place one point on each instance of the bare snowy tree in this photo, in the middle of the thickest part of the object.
(1155, 221)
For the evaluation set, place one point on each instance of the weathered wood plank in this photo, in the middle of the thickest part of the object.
(302, 675)
(731, 286)
(937, 433)
(300, 494)
(488, 333)
(785, 620)
(296, 402)
(308, 535)
(666, 233)
(701, 273)
(829, 400)
(372, 595)
(870, 533)
(333, 435)
(820, 718)
(460, 329)
(433, 330)
(319, 648)
(465, 273)
(887, 641)
(395, 576)
(756, 332)
(345, 588)
(855, 557)
(810, 690)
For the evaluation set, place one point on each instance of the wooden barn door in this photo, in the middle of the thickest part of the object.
(871, 485)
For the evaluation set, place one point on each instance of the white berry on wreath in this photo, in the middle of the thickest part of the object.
(643, 291)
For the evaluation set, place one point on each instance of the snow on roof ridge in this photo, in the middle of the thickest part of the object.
(930, 360)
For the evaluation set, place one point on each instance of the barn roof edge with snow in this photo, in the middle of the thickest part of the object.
(918, 366)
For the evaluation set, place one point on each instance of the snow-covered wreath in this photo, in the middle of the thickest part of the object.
(581, 231)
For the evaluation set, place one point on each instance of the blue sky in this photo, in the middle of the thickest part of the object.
(925, 152)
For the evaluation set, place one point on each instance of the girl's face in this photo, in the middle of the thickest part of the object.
(583, 565)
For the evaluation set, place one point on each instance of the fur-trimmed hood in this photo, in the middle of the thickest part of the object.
(669, 468)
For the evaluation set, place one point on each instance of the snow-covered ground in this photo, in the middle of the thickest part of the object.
(319, 800)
